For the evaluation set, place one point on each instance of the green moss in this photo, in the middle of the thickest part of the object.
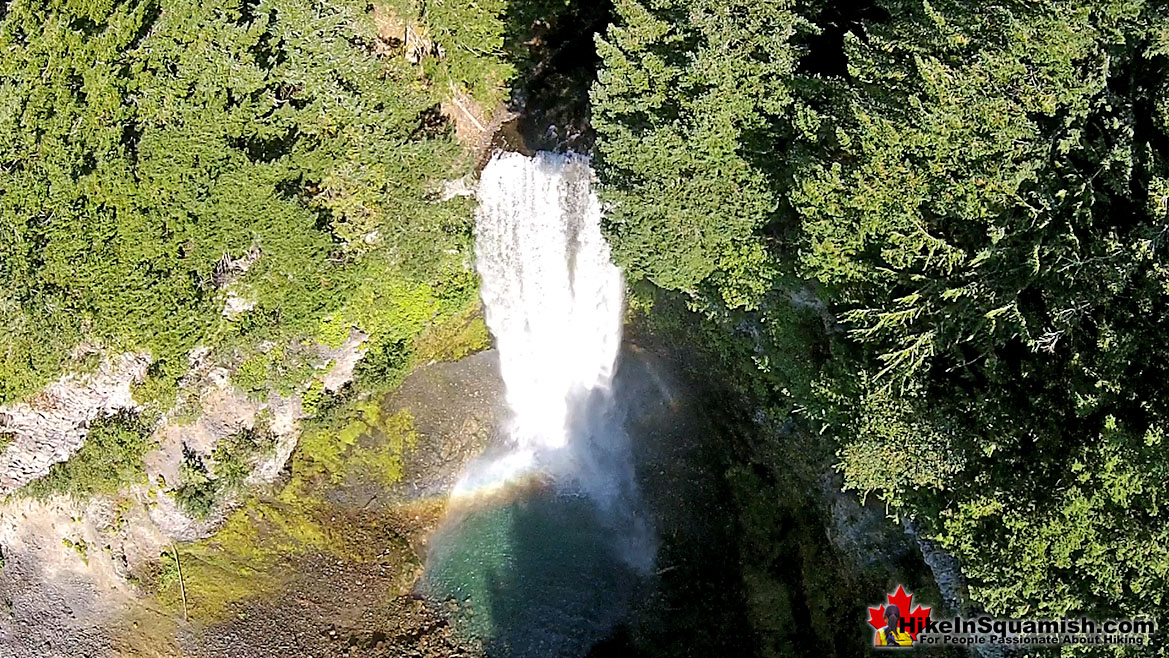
(321, 450)
(313, 396)
(382, 461)
(392, 309)
(240, 560)
(254, 552)
(333, 331)
(464, 333)
(121, 508)
(384, 302)
(252, 374)
(80, 547)
(355, 439)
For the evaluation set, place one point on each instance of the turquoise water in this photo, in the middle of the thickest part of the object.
(539, 574)
(537, 569)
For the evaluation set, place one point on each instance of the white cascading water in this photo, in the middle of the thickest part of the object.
(546, 534)
(553, 301)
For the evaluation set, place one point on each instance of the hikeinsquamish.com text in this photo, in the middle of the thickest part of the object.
(1050, 632)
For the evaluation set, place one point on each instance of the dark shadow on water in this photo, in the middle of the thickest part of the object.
(694, 602)
(535, 577)
(550, 568)
(634, 556)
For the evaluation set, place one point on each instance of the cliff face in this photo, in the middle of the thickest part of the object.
(53, 425)
(306, 563)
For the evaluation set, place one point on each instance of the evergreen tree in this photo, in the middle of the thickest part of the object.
(147, 145)
(976, 197)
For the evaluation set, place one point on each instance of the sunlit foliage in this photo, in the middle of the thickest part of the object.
(961, 209)
(155, 153)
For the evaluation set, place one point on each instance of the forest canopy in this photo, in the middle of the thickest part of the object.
(160, 156)
(938, 229)
(931, 234)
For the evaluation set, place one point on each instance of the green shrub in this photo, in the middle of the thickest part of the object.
(198, 492)
(171, 139)
(201, 489)
(110, 459)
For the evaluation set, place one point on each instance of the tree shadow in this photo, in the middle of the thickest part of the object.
(552, 45)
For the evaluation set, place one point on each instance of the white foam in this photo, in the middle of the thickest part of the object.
(553, 300)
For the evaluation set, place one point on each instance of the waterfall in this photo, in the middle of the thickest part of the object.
(553, 301)
(546, 540)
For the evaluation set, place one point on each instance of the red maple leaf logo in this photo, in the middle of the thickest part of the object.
(912, 621)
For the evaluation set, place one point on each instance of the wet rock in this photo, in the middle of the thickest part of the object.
(456, 408)
(861, 532)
